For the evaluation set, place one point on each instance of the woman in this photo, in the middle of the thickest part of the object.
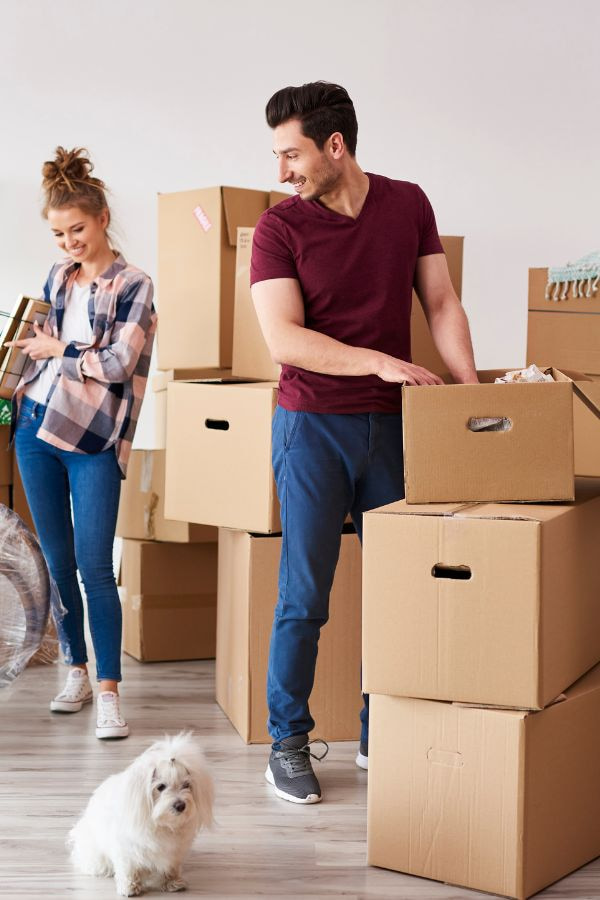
(74, 417)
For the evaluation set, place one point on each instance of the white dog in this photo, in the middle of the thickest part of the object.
(140, 823)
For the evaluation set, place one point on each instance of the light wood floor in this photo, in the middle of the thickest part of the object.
(261, 846)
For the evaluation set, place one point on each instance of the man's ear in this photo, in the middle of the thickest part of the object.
(336, 145)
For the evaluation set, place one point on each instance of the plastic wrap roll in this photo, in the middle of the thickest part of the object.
(27, 594)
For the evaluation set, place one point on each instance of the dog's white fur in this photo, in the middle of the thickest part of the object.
(133, 830)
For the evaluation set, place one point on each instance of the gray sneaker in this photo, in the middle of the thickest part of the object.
(290, 770)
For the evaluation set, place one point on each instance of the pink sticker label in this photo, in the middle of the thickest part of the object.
(202, 218)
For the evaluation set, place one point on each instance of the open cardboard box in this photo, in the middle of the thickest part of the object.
(533, 459)
(197, 234)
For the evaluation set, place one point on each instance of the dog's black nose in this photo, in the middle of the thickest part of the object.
(179, 806)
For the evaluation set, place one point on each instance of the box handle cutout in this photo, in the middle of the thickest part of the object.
(218, 424)
(445, 758)
(458, 573)
(489, 423)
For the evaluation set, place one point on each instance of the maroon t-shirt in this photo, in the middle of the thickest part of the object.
(356, 278)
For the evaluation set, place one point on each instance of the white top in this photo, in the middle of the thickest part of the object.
(75, 327)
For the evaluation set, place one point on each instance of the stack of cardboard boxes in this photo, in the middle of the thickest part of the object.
(481, 642)
(218, 472)
(218, 455)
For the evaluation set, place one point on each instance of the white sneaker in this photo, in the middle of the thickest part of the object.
(76, 692)
(110, 723)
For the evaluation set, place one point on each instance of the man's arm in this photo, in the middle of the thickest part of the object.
(280, 311)
(446, 317)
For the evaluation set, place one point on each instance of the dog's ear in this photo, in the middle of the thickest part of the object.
(137, 804)
(185, 748)
(204, 793)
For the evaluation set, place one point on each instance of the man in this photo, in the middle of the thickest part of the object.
(332, 274)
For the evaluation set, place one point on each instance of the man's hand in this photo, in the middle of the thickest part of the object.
(392, 369)
(41, 346)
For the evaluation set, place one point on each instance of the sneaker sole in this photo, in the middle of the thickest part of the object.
(312, 798)
(115, 731)
(362, 761)
(65, 706)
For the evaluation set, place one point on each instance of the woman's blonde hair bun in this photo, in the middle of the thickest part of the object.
(68, 181)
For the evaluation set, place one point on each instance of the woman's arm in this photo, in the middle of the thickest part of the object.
(116, 363)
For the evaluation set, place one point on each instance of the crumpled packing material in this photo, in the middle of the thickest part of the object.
(530, 375)
(28, 595)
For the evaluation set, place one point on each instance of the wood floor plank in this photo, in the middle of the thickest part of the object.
(260, 847)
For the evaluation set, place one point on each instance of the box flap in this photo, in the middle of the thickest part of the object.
(589, 394)
(242, 208)
(402, 508)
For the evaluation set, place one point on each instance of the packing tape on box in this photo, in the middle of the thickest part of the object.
(149, 517)
(146, 471)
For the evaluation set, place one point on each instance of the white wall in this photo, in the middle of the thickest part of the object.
(491, 106)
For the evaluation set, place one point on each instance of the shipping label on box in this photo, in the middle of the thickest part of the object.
(218, 468)
(248, 576)
(491, 603)
(495, 800)
(196, 272)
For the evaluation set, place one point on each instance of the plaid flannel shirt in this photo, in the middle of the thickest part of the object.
(94, 402)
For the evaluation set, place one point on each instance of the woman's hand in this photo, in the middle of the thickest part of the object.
(41, 346)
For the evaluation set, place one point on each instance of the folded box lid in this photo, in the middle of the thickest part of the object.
(242, 208)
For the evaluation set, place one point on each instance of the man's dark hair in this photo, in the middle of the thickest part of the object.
(321, 108)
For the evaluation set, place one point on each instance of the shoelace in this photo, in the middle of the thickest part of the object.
(297, 758)
(109, 710)
(73, 688)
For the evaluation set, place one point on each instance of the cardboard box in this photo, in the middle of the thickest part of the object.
(160, 380)
(169, 595)
(424, 352)
(18, 327)
(587, 438)
(491, 603)
(5, 494)
(532, 460)
(251, 356)
(197, 233)
(142, 505)
(6, 456)
(219, 455)
(248, 574)
(497, 800)
(567, 332)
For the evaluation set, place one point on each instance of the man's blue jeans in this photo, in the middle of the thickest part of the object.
(326, 466)
(84, 542)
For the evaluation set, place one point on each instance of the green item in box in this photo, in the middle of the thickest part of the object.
(5, 412)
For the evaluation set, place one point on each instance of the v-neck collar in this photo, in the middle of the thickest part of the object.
(333, 215)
